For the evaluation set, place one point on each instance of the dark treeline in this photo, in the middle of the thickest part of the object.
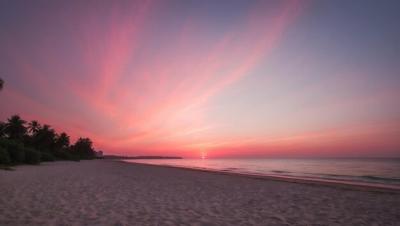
(31, 143)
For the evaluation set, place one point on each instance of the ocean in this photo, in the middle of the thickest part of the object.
(366, 171)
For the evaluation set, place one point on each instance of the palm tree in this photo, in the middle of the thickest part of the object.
(44, 139)
(34, 127)
(15, 128)
(62, 141)
(1, 84)
(2, 129)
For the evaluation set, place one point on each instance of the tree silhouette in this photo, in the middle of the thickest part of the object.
(22, 142)
(83, 148)
(33, 127)
(44, 139)
(1, 83)
(15, 128)
(62, 141)
(2, 129)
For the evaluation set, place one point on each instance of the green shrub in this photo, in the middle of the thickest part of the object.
(32, 156)
(66, 155)
(47, 157)
(4, 157)
(17, 155)
(3, 142)
(14, 149)
(61, 155)
(74, 158)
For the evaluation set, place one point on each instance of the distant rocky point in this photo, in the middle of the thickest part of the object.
(140, 157)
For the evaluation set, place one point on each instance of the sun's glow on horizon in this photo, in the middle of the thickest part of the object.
(203, 155)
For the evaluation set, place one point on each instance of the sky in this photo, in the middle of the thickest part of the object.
(222, 78)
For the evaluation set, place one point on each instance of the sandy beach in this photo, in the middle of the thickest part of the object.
(104, 192)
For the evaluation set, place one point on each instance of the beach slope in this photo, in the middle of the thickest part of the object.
(105, 192)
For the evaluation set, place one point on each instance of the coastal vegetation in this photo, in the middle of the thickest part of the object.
(24, 142)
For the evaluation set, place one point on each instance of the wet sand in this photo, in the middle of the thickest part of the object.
(104, 192)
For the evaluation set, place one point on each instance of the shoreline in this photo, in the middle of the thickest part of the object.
(358, 186)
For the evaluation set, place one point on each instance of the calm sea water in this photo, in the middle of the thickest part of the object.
(365, 171)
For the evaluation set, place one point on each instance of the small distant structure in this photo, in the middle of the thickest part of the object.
(99, 154)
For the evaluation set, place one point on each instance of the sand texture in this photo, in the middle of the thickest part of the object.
(104, 192)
